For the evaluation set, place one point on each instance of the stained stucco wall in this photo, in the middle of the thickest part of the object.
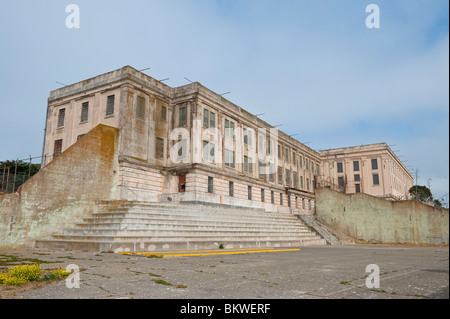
(64, 191)
(370, 219)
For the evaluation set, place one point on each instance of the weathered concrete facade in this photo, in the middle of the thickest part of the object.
(371, 169)
(64, 191)
(370, 219)
(184, 144)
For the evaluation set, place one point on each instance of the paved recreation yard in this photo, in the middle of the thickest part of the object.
(325, 272)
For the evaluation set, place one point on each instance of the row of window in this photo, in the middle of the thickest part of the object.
(357, 178)
(340, 166)
(263, 199)
(209, 153)
(84, 117)
(209, 121)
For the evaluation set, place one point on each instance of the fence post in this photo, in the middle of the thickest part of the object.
(7, 181)
(29, 168)
(15, 173)
(3, 175)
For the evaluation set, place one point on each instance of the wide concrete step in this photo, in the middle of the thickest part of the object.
(181, 225)
(185, 233)
(170, 245)
(210, 222)
(195, 216)
(171, 226)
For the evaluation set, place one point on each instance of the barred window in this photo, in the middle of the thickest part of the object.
(110, 105)
(57, 148)
(159, 151)
(229, 129)
(280, 175)
(231, 189)
(163, 113)
(84, 112)
(208, 151)
(374, 163)
(210, 184)
(288, 177)
(209, 119)
(140, 108)
(229, 158)
(182, 116)
(61, 116)
(248, 164)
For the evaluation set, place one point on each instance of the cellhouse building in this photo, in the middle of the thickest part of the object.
(184, 144)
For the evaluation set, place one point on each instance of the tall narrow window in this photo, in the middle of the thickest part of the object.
(249, 193)
(159, 150)
(288, 178)
(376, 179)
(140, 108)
(61, 116)
(84, 112)
(374, 164)
(182, 116)
(301, 182)
(272, 197)
(110, 105)
(209, 119)
(261, 169)
(281, 198)
(231, 189)
(262, 195)
(229, 158)
(280, 175)
(163, 113)
(307, 184)
(248, 167)
(356, 166)
(341, 181)
(248, 137)
(357, 188)
(340, 168)
(182, 149)
(210, 184)
(295, 180)
(57, 148)
(229, 129)
(286, 155)
(208, 151)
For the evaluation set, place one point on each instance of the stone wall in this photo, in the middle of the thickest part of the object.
(373, 220)
(64, 191)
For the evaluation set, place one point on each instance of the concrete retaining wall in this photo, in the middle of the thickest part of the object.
(64, 191)
(373, 220)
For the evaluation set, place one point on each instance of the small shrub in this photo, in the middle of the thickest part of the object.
(26, 272)
(56, 274)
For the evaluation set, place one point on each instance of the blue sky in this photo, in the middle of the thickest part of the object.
(311, 65)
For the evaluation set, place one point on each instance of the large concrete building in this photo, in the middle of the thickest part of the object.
(184, 144)
(372, 169)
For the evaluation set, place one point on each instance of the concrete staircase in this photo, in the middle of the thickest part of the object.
(141, 226)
